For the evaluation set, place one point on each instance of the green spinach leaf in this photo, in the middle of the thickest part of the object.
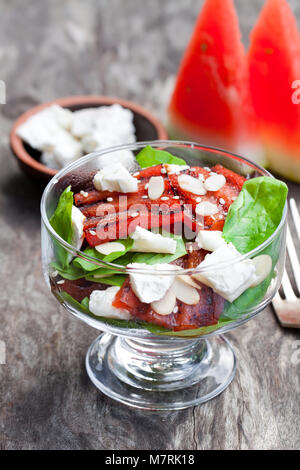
(70, 272)
(82, 268)
(61, 221)
(89, 266)
(116, 280)
(256, 213)
(150, 157)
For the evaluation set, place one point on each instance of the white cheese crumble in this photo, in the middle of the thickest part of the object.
(115, 178)
(83, 122)
(126, 157)
(77, 227)
(149, 242)
(100, 304)
(47, 131)
(153, 286)
(63, 136)
(210, 240)
(229, 282)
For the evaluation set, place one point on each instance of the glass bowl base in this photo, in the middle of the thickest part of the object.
(160, 373)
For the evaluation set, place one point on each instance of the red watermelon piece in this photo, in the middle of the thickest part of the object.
(274, 66)
(211, 101)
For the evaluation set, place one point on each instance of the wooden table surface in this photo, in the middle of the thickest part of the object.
(131, 49)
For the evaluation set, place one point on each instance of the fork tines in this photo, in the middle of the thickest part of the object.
(288, 309)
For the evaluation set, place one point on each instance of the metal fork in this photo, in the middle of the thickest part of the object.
(288, 309)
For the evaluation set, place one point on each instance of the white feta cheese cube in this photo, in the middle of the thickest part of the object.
(210, 240)
(115, 119)
(66, 149)
(115, 178)
(77, 226)
(39, 132)
(229, 282)
(153, 286)
(108, 126)
(98, 139)
(100, 304)
(63, 116)
(83, 122)
(45, 132)
(148, 242)
(126, 157)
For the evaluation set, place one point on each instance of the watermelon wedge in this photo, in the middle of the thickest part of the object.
(211, 101)
(274, 66)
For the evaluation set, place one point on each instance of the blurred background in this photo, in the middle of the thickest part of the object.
(125, 48)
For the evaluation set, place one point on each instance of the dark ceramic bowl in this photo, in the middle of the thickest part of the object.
(147, 127)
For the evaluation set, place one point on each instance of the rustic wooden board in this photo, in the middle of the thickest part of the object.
(130, 49)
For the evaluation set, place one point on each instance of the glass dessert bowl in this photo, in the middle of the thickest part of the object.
(164, 256)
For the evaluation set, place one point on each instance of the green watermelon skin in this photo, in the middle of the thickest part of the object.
(211, 100)
(274, 65)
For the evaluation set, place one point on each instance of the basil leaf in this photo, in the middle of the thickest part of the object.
(150, 157)
(89, 266)
(256, 213)
(61, 222)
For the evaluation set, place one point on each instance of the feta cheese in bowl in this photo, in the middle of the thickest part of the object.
(52, 135)
(63, 136)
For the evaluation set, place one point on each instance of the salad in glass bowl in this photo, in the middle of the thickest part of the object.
(163, 251)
